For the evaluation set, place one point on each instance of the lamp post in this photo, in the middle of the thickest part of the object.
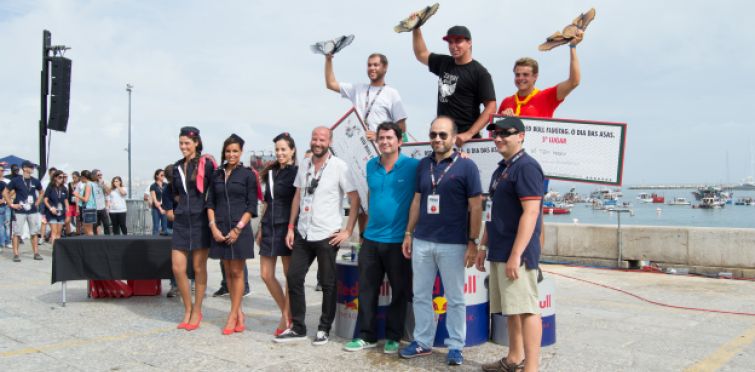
(129, 87)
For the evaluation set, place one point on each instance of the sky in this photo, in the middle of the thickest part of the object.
(678, 73)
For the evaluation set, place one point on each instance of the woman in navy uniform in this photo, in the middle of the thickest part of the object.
(231, 203)
(271, 236)
(191, 230)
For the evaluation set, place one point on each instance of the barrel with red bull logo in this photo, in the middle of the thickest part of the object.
(347, 302)
(546, 295)
(478, 310)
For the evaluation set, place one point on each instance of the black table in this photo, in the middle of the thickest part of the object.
(113, 257)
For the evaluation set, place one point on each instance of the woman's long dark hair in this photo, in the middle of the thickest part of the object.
(112, 183)
(197, 155)
(292, 146)
(54, 179)
(229, 141)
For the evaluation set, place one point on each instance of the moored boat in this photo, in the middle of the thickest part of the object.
(679, 201)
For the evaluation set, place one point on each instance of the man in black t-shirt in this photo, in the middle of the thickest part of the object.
(463, 83)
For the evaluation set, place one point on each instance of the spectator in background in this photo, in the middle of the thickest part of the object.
(158, 214)
(118, 206)
(28, 196)
(42, 210)
(56, 204)
(5, 213)
(87, 203)
(101, 190)
(72, 213)
(168, 204)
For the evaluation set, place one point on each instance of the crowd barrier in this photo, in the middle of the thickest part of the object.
(138, 217)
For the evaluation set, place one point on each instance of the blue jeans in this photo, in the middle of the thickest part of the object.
(158, 220)
(427, 259)
(5, 233)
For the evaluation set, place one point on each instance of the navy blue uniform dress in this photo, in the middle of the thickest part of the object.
(56, 196)
(191, 228)
(274, 224)
(230, 199)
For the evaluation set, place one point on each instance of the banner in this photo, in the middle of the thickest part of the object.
(351, 146)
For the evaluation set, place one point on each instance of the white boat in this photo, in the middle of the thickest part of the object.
(712, 202)
(678, 201)
(617, 191)
(749, 182)
(643, 197)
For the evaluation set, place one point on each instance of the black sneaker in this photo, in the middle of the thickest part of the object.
(38, 257)
(247, 292)
(318, 288)
(320, 339)
(16, 258)
(173, 291)
(220, 292)
(290, 336)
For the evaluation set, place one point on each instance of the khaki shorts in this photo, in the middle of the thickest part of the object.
(31, 220)
(511, 297)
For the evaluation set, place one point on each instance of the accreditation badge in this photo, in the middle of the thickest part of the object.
(30, 199)
(433, 204)
(488, 210)
(307, 205)
(60, 207)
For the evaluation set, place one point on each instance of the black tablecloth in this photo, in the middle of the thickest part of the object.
(113, 257)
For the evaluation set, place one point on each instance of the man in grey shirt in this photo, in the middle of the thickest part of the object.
(99, 196)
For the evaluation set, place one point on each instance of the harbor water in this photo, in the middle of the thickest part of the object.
(732, 216)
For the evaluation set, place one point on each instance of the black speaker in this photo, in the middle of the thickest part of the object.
(61, 91)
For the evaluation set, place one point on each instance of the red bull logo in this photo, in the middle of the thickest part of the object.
(547, 303)
(346, 290)
(353, 305)
(440, 305)
(306, 209)
(471, 285)
(433, 209)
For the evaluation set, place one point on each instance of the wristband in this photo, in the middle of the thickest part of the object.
(240, 225)
(408, 233)
(290, 226)
(211, 223)
(572, 46)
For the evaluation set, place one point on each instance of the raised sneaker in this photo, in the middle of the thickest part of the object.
(391, 347)
(454, 357)
(289, 336)
(320, 339)
(359, 344)
(220, 292)
(414, 350)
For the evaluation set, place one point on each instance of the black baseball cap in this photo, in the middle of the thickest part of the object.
(458, 31)
(508, 123)
(27, 164)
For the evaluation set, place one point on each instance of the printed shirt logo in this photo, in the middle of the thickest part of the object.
(446, 86)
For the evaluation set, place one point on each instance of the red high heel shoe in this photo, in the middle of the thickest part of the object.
(182, 325)
(241, 327)
(279, 331)
(191, 327)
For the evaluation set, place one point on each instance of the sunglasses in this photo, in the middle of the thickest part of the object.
(443, 135)
(60, 177)
(312, 186)
(504, 134)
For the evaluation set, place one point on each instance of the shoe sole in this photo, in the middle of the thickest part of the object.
(415, 355)
(454, 363)
(247, 294)
(369, 346)
(221, 295)
(319, 343)
(289, 339)
(390, 351)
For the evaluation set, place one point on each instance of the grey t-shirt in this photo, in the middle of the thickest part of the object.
(99, 196)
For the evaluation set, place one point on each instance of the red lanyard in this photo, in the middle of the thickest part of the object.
(366, 102)
(498, 179)
(432, 175)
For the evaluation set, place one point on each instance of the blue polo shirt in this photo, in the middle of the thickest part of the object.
(460, 183)
(517, 181)
(391, 196)
(23, 188)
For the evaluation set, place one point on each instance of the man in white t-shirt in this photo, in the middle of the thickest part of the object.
(376, 102)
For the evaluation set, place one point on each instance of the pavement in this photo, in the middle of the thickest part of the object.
(598, 329)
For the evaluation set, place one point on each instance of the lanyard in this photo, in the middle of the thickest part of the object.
(432, 175)
(29, 188)
(498, 179)
(320, 172)
(367, 101)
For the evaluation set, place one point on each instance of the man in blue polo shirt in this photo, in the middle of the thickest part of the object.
(28, 196)
(516, 191)
(447, 191)
(390, 178)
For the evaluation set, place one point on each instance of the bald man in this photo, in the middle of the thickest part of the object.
(320, 184)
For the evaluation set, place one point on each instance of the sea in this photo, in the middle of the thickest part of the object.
(651, 214)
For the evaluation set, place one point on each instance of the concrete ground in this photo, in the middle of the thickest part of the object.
(598, 329)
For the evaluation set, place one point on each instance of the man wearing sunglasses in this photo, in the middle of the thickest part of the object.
(446, 193)
(463, 83)
(29, 195)
(321, 183)
(513, 237)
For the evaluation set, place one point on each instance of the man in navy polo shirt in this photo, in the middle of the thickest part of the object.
(516, 191)
(447, 191)
(28, 196)
(390, 178)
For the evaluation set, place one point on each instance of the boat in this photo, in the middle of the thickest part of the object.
(745, 201)
(572, 196)
(727, 197)
(617, 191)
(712, 202)
(706, 191)
(552, 195)
(656, 198)
(679, 201)
(553, 210)
(643, 197)
(749, 182)
(624, 205)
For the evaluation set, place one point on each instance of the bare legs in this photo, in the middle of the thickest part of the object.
(180, 258)
(525, 334)
(267, 272)
(234, 278)
(55, 233)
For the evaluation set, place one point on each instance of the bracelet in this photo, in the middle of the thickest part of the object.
(572, 46)
(290, 226)
(211, 223)
(240, 225)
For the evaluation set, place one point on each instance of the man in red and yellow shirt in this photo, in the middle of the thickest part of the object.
(529, 101)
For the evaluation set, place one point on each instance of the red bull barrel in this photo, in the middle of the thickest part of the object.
(546, 294)
(347, 302)
(478, 310)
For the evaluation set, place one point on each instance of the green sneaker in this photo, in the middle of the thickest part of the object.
(358, 344)
(391, 347)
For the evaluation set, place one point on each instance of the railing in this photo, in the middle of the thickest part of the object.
(138, 217)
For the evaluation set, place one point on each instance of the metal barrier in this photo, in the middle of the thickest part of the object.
(138, 217)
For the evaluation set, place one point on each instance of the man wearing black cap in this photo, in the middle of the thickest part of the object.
(26, 203)
(463, 83)
(513, 236)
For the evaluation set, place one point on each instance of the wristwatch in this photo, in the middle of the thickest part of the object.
(475, 241)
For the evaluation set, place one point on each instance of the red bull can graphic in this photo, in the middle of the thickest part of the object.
(477, 306)
(546, 291)
(347, 302)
